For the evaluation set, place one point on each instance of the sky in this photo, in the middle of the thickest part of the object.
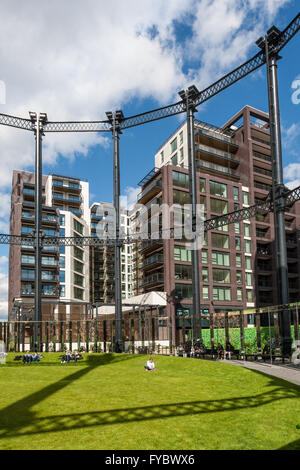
(76, 60)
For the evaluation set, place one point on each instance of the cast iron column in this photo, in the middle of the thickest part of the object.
(38, 121)
(116, 118)
(278, 189)
(188, 97)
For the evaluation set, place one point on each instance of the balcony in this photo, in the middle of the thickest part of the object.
(152, 262)
(155, 279)
(149, 192)
(149, 245)
(217, 168)
(262, 172)
(217, 154)
(264, 187)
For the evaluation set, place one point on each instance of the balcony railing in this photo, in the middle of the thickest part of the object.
(154, 279)
(154, 185)
(215, 167)
(155, 259)
(217, 152)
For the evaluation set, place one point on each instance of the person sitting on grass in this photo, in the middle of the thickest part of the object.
(150, 365)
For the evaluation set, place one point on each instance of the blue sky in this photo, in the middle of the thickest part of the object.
(135, 57)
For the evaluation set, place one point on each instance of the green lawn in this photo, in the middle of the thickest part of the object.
(110, 402)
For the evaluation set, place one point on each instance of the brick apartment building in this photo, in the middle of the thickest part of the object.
(237, 262)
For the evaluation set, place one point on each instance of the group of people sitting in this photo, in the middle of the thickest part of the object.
(225, 353)
(70, 356)
(197, 349)
(29, 357)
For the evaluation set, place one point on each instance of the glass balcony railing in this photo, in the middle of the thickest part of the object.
(213, 151)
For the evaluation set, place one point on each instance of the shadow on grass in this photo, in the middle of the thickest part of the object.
(18, 420)
(294, 445)
(20, 413)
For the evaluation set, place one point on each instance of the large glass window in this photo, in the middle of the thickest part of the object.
(205, 274)
(183, 272)
(248, 279)
(221, 275)
(27, 274)
(62, 220)
(48, 276)
(27, 259)
(239, 278)
(238, 243)
(218, 189)
(180, 197)
(219, 240)
(239, 294)
(174, 159)
(180, 179)
(249, 295)
(222, 293)
(49, 289)
(183, 291)
(48, 261)
(62, 262)
(218, 206)
(237, 227)
(235, 193)
(220, 258)
(182, 254)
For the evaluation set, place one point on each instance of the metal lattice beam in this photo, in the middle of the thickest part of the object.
(77, 126)
(14, 121)
(212, 224)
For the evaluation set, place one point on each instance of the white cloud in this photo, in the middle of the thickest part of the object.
(291, 175)
(130, 197)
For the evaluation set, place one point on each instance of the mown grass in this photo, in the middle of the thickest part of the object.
(110, 402)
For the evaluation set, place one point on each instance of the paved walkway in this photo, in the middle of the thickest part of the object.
(286, 372)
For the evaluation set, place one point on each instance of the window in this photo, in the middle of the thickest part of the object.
(49, 289)
(204, 255)
(224, 228)
(183, 291)
(219, 240)
(248, 279)
(220, 259)
(78, 293)
(62, 250)
(62, 276)
(48, 276)
(181, 154)
(78, 253)
(62, 262)
(78, 227)
(62, 291)
(183, 273)
(218, 189)
(162, 157)
(62, 220)
(239, 294)
(222, 293)
(78, 266)
(247, 245)
(236, 206)
(247, 230)
(239, 278)
(78, 280)
(205, 291)
(48, 261)
(180, 197)
(245, 198)
(181, 138)
(248, 262)
(202, 185)
(218, 206)
(221, 275)
(238, 243)
(235, 193)
(174, 159)
(180, 179)
(204, 274)
(26, 229)
(249, 295)
(238, 262)
(27, 274)
(182, 254)
(27, 259)
(174, 145)
(237, 227)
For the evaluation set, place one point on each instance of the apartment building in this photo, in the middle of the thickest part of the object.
(102, 264)
(65, 269)
(237, 262)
